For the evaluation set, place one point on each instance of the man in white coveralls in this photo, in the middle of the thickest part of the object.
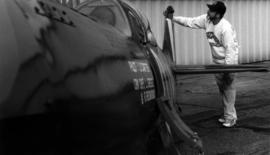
(224, 48)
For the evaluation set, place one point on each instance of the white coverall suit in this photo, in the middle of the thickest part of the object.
(224, 49)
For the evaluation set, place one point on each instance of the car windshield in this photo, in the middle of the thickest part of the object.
(106, 11)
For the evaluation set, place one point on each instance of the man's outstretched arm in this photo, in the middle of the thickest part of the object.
(195, 22)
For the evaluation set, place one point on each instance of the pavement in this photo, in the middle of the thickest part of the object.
(201, 106)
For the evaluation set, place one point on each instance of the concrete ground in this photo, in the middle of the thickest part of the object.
(201, 105)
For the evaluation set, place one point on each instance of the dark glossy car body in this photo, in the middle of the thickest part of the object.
(76, 84)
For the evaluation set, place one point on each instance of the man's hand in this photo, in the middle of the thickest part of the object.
(168, 13)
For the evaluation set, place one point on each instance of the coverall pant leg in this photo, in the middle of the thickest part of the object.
(226, 85)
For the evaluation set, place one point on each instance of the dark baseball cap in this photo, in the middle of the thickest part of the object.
(217, 6)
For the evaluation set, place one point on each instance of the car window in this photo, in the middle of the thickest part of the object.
(107, 12)
(137, 27)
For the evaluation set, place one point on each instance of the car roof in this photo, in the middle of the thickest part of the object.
(122, 23)
(138, 12)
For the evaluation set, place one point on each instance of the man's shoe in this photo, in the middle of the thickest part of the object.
(221, 120)
(229, 122)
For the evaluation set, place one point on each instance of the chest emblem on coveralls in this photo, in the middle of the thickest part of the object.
(213, 40)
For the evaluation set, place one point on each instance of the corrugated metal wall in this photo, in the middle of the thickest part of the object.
(249, 17)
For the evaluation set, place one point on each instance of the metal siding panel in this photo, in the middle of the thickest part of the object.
(186, 33)
(249, 33)
(259, 26)
(267, 34)
(241, 25)
(253, 34)
(181, 38)
(262, 37)
(194, 51)
(245, 47)
(263, 29)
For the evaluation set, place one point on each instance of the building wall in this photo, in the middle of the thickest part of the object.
(249, 17)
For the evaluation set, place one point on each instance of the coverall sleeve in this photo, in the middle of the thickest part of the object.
(231, 46)
(195, 22)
